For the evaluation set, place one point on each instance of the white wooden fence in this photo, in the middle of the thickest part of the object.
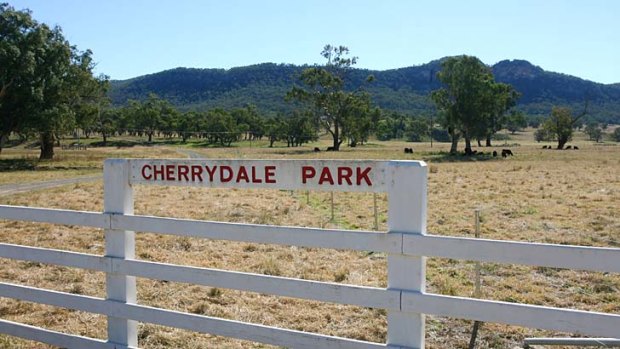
(405, 243)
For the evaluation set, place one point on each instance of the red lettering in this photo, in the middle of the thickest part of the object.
(344, 173)
(157, 172)
(144, 172)
(211, 172)
(254, 179)
(242, 175)
(183, 171)
(363, 175)
(326, 176)
(270, 172)
(307, 172)
(228, 177)
(170, 173)
(196, 173)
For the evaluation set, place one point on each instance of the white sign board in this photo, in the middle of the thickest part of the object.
(326, 175)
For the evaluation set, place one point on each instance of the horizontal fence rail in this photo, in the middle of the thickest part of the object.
(566, 320)
(483, 250)
(59, 339)
(198, 323)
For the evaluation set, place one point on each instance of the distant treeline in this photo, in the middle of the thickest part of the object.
(404, 90)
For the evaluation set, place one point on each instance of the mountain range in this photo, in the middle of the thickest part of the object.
(403, 90)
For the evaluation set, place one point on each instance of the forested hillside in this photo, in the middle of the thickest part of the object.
(404, 90)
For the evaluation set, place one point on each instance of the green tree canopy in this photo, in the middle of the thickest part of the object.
(472, 104)
(44, 81)
(560, 124)
(338, 111)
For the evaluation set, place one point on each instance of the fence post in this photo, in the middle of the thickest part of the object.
(118, 198)
(406, 214)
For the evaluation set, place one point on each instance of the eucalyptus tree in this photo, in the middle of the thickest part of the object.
(335, 109)
(464, 97)
(471, 103)
(561, 122)
(44, 80)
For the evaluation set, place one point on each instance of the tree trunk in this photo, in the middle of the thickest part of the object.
(488, 141)
(105, 138)
(3, 138)
(47, 146)
(336, 135)
(561, 142)
(455, 141)
(468, 145)
(150, 136)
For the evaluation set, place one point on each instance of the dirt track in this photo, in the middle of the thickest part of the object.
(15, 188)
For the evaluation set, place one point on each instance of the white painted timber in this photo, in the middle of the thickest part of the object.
(56, 257)
(55, 216)
(198, 323)
(370, 297)
(121, 244)
(548, 255)
(406, 215)
(321, 175)
(54, 338)
(297, 236)
(533, 316)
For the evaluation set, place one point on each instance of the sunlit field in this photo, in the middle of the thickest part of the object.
(538, 195)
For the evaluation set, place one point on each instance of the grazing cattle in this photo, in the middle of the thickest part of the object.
(506, 152)
(494, 153)
(330, 149)
(316, 149)
(569, 147)
(575, 147)
(544, 147)
(408, 150)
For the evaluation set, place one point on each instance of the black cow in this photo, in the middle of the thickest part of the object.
(494, 153)
(316, 149)
(330, 149)
(569, 147)
(408, 150)
(506, 152)
(575, 147)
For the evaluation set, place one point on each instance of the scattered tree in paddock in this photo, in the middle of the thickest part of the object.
(341, 113)
(472, 104)
(46, 84)
(561, 123)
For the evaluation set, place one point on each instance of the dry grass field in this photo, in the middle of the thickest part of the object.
(565, 197)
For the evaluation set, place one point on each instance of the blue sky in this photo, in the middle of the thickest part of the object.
(136, 37)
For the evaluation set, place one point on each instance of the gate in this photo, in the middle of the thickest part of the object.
(406, 244)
